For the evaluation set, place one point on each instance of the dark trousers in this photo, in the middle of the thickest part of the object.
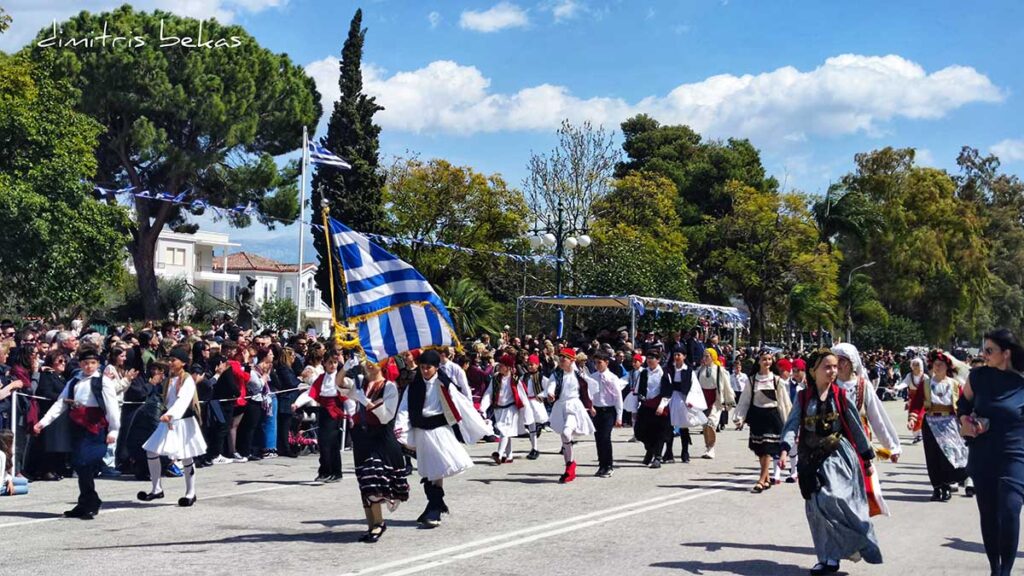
(604, 421)
(284, 426)
(87, 460)
(684, 438)
(248, 428)
(328, 439)
(653, 430)
(999, 505)
(217, 430)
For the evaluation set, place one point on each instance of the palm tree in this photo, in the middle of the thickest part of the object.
(470, 307)
(845, 212)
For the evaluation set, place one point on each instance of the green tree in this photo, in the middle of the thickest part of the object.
(931, 254)
(637, 247)
(769, 251)
(999, 199)
(355, 196)
(59, 248)
(439, 202)
(470, 307)
(702, 172)
(278, 313)
(200, 122)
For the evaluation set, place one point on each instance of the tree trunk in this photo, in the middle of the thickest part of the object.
(144, 258)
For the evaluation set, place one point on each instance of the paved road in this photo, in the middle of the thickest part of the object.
(683, 519)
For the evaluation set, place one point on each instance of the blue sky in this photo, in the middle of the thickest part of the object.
(810, 83)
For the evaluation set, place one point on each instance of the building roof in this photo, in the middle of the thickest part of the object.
(247, 261)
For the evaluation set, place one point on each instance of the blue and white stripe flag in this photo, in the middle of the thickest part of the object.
(320, 155)
(392, 305)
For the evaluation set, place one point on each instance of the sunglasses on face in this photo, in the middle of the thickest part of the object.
(989, 350)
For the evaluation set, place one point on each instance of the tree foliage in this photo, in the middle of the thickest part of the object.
(355, 196)
(440, 202)
(471, 308)
(59, 248)
(278, 313)
(204, 123)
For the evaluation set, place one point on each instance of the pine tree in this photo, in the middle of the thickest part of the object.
(355, 196)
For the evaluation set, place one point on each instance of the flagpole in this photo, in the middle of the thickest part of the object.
(302, 231)
(330, 270)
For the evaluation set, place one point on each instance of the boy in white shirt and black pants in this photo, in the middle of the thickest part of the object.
(607, 400)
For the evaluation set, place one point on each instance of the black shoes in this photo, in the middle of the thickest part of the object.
(533, 455)
(332, 479)
(604, 473)
(647, 459)
(374, 534)
(149, 496)
(685, 458)
(81, 513)
(321, 478)
(656, 463)
(669, 460)
(185, 502)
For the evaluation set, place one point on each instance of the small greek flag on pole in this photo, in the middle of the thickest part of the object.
(320, 155)
(391, 304)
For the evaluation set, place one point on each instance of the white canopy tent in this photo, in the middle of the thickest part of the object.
(638, 306)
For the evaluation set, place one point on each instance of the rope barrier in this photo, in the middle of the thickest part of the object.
(129, 403)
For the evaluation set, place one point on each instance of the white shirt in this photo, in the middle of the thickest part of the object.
(570, 386)
(83, 396)
(387, 409)
(458, 376)
(882, 428)
(505, 396)
(653, 382)
(608, 392)
(432, 397)
(178, 400)
(739, 382)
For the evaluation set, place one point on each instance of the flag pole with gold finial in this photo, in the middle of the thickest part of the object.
(344, 337)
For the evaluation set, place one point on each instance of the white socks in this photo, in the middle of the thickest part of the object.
(533, 437)
(505, 447)
(189, 472)
(155, 470)
(567, 445)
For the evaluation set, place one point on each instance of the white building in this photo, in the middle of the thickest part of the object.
(191, 256)
(276, 280)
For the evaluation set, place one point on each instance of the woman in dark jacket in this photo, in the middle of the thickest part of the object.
(140, 416)
(991, 411)
(284, 383)
(54, 444)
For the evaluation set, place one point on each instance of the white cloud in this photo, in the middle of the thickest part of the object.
(31, 16)
(500, 16)
(924, 157)
(1009, 150)
(434, 18)
(566, 10)
(847, 94)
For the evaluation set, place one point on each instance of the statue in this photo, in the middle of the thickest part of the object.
(246, 308)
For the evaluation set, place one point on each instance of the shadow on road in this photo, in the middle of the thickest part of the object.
(738, 567)
(968, 546)
(716, 546)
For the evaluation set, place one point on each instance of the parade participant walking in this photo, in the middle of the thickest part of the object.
(533, 383)
(834, 450)
(330, 392)
(718, 396)
(914, 380)
(379, 461)
(764, 405)
(990, 412)
(797, 384)
(432, 412)
(653, 394)
(178, 436)
(935, 403)
(683, 381)
(572, 408)
(607, 412)
(853, 377)
(95, 421)
(506, 394)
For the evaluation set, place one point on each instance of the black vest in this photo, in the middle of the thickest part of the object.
(417, 392)
(95, 385)
(685, 384)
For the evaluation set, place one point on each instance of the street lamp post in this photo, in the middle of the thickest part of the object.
(849, 303)
(561, 236)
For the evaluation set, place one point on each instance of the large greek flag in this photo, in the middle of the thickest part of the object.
(393, 306)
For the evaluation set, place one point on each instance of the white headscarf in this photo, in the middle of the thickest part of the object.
(917, 362)
(849, 351)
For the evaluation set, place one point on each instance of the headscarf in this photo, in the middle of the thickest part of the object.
(714, 357)
(849, 351)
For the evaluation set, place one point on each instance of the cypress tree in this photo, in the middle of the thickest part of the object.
(356, 195)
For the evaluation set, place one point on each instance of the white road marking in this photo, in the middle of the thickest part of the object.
(106, 511)
(531, 534)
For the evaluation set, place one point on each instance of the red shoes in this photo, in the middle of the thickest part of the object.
(569, 475)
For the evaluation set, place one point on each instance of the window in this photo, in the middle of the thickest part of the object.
(288, 292)
(309, 299)
(266, 291)
(174, 256)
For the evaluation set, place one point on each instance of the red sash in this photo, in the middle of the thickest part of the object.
(89, 417)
